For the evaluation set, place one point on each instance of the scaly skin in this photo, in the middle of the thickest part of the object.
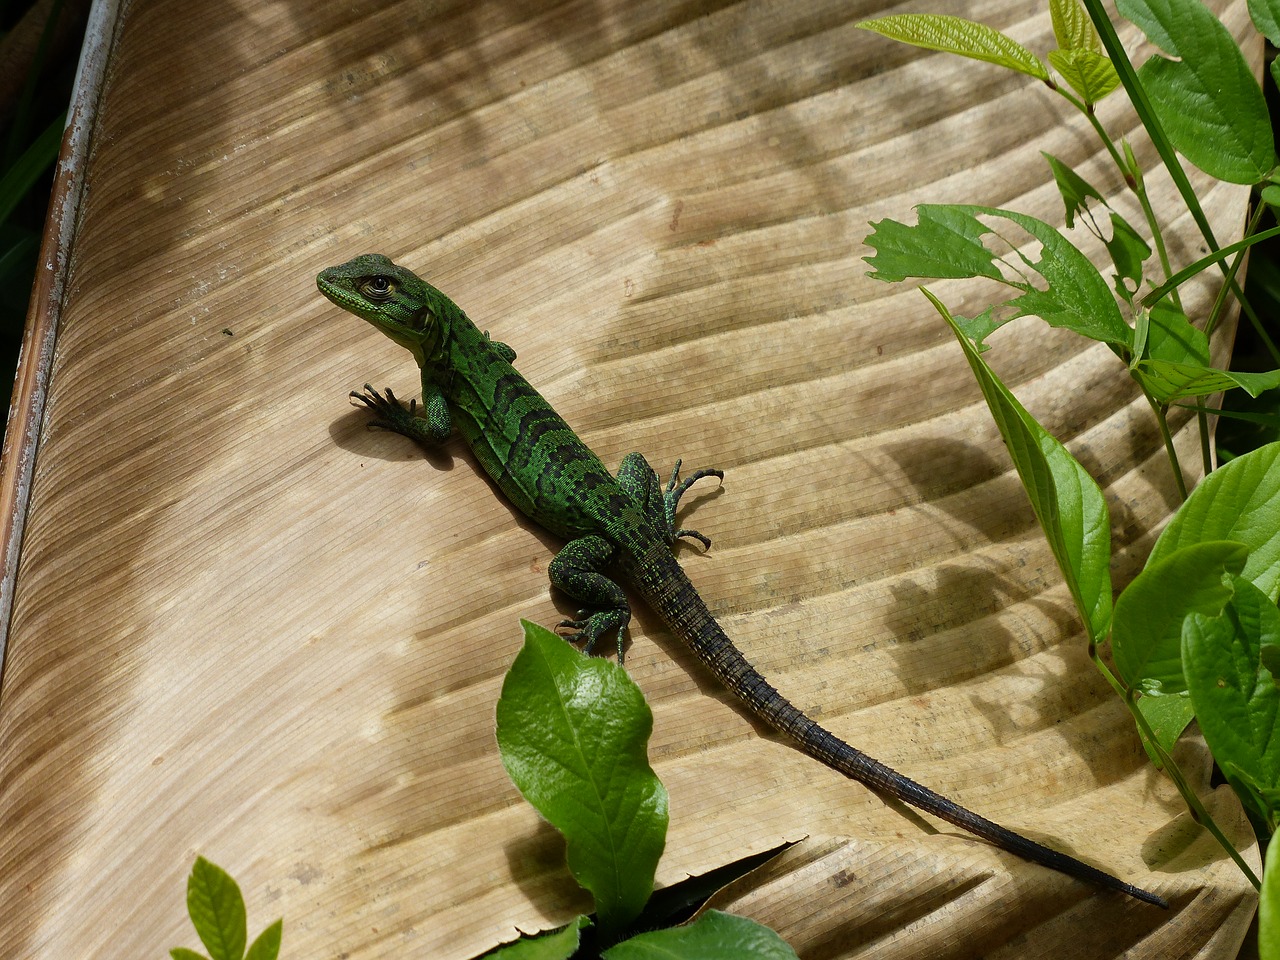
(627, 522)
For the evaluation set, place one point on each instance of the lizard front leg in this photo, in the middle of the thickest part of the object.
(390, 414)
(576, 571)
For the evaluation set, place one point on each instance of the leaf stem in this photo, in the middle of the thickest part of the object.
(1161, 411)
(1198, 811)
(1197, 808)
(1146, 113)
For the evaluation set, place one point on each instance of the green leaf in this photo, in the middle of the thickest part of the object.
(1077, 297)
(1167, 716)
(1088, 73)
(572, 731)
(1146, 632)
(1269, 907)
(1071, 26)
(977, 41)
(1169, 381)
(217, 910)
(558, 945)
(1128, 252)
(946, 243)
(267, 946)
(713, 936)
(1076, 191)
(1236, 698)
(1208, 101)
(1266, 17)
(1239, 501)
(1066, 500)
(1174, 338)
(979, 328)
(182, 953)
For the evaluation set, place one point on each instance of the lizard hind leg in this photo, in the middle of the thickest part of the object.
(576, 571)
(639, 479)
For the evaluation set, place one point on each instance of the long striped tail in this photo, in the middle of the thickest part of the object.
(665, 587)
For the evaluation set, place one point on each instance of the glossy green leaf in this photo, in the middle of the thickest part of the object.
(945, 243)
(1066, 500)
(1088, 73)
(1208, 100)
(1269, 907)
(217, 910)
(1239, 501)
(1266, 17)
(713, 936)
(267, 945)
(1076, 191)
(183, 953)
(1146, 632)
(573, 731)
(1236, 699)
(558, 945)
(1072, 27)
(956, 35)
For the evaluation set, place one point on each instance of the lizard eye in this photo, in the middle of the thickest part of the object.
(378, 288)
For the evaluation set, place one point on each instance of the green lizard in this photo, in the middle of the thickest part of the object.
(627, 522)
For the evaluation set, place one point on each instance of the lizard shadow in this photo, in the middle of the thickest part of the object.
(354, 433)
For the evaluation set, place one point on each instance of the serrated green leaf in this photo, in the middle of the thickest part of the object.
(1167, 716)
(1146, 632)
(945, 243)
(1076, 191)
(1077, 296)
(217, 910)
(1071, 26)
(1168, 381)
(558, 945)
(1239, 501)
(1269, 907)
(1208, 101)
(182, 953)
(1088, 73)
(1128, 253)
(1236, 699)
(1066, 500)
(267, 945)
(1266, 17)
(948, 34)
(978, 328)
(573, 731)
(713, 936)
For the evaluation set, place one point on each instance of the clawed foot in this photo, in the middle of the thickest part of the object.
(676, 489)
(390, 413)
(591, 626)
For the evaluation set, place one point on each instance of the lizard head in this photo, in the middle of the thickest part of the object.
(399, 303)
